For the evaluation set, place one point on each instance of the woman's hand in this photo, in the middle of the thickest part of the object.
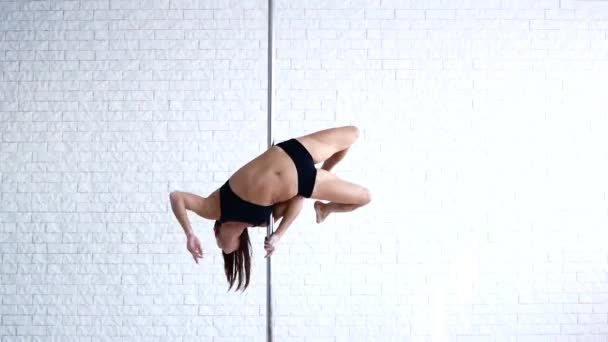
(270, 244)
(194, 247)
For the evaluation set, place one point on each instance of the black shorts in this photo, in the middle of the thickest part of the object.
(305, 165)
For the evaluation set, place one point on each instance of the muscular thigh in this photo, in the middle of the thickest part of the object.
(329, 187)
(323, 144)
(318, 149)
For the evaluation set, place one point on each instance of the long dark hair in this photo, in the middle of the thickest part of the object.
(237, 264)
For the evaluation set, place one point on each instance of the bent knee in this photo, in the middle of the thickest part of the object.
(174, 195)
(366, 196)
(349, 134)
(354, 132)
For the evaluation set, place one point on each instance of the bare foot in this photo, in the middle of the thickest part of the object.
(321, 214)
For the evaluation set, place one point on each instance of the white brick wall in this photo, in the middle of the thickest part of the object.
(483, 143)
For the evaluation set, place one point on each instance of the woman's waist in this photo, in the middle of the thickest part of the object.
(264, 188)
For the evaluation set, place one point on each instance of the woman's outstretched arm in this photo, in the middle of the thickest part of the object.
(204, 207)
(178, 205)
(182, 201)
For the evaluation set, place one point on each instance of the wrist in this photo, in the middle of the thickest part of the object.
(189, 234)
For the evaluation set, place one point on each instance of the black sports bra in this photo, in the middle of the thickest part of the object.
(233, 208)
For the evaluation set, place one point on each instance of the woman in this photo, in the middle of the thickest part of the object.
(276, 182)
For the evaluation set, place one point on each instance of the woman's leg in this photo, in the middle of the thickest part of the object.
(324, 209)
(343, 196)
(334, 159)
(329, 145)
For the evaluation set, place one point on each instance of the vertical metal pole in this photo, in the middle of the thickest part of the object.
(270, 228)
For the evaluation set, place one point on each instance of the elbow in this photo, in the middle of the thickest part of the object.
(174, 197)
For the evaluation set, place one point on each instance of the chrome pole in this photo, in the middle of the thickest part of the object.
(270, 226)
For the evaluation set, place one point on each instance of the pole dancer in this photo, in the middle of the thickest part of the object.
(274, 183)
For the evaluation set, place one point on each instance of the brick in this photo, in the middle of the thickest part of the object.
(466, 137)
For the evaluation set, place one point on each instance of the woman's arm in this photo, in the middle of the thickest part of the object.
(277, 212)
(289, 212)
(182, 201)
